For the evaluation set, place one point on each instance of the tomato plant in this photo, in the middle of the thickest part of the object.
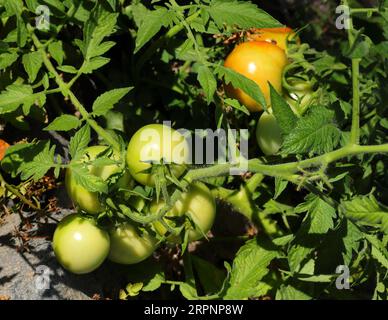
(79, 245)
(92, 100)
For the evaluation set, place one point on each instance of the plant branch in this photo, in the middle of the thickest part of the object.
(355, 128)
(284, 170)
(364, 10)
(16, 192)
(64, 88)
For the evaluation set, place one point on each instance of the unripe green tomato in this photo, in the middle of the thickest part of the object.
(128, 246)
(268, 134)
(198, 202)
(85, 199)
(79, 244)
(152, 143)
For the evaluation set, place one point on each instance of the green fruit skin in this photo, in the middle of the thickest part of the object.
(79, 245)
(151, 143)
(268, 134)
(89, 201)
(128, 247)
(199, 203)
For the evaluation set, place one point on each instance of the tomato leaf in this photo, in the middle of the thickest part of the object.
(65, 122)
(155, 282)
(87, 180)
(241, 13)
(14, 96)
(379, 252)
(367, 210)
(7, 59)
(55, 5)
(280, 186)
(107, 100)
(207, 82)
(241, 82)
(68, 69)
(249, 267)
(289, 292)
(39, 165)
(211, 277)
(236, 105)
(150, 25)
(79, 142)
(316, 133)
(100, 24)
(56, 50)
(94, 64)
(283, 113)
(112, 4)
(318, 221)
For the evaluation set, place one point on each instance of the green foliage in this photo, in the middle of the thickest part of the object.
(249, 267)
(366, 209)
(105, 68)
(315, 133)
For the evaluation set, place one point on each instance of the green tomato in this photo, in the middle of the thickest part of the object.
(128, 246)
(198, 203)
(85, 199)
(152, 143)
(268, 134)
(79, 245)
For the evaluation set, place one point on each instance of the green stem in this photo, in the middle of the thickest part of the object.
(100, 131)
(16, 192)
(189, 32)
(284, 170)
(289, 168)
(254, 182)
(355, 128)
(64, 88)
(364, 10)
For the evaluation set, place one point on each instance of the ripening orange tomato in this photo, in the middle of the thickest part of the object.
(3, 148)
(278, 36)
(261, 62)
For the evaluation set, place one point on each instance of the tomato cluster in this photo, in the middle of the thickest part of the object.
(81, 245)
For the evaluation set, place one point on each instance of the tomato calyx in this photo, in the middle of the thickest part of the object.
(299, 89)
